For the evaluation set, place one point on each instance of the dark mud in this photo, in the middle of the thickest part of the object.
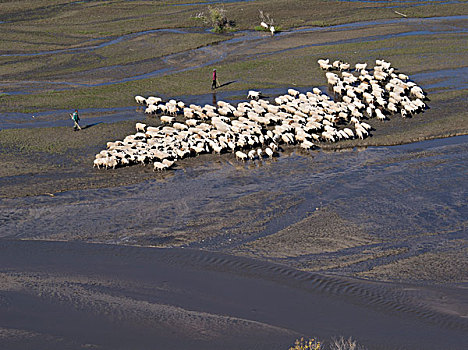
(120, 297)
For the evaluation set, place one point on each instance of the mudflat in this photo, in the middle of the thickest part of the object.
(363, 238)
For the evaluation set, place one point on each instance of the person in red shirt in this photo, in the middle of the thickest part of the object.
(214, 83)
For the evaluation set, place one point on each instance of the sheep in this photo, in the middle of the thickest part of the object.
(140, 127)
(272, 30)
(255, 95)
(296, 117)
(264, 25)
(152, 100)
(172, 109)
(180, 126)
(403, 77)
(269, 152)
(324, 64)
(417, 92)
(360, 66)
(307, 144)
(293, 92)
(140, 99)
(188, 112)
(168, 163)
(349, 132)
(241, 155)
(366, 126)
(344, 66)
(159, 166)
(167, 119)
(151, 109)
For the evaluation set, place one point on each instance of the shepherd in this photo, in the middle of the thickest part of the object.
(214, 83)
(76, 118)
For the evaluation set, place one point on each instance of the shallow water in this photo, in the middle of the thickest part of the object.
(409, 198)
(435, 81)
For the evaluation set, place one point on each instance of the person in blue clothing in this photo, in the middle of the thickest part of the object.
(76, 118)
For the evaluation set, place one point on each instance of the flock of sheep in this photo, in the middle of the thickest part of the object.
(254, 129)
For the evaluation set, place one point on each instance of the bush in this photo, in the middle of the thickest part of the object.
(217, 18)
(302, 344)
(344, 344)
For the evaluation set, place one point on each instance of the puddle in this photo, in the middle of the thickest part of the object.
(448, 79)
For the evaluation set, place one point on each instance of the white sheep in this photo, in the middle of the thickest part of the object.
(255, 95)
(140, 99)
(152, 100)
(360, 66)
(167, 119)
(140, 127)
(324, 64)
(241, 155)
(159, 166)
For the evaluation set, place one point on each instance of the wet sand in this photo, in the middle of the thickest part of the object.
(119, 297)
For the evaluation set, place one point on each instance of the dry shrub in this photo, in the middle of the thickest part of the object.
(217, 18)
(344, 344)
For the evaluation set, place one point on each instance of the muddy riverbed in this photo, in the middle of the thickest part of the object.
(363, 238)
(359, 212)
